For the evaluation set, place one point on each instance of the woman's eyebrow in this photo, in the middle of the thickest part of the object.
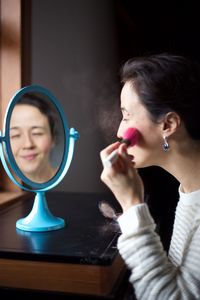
(14, 128)
(33, 127)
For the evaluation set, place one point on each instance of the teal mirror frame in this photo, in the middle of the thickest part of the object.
(40, 218)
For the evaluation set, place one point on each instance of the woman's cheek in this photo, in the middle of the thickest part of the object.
(46, 145)
(15, 147)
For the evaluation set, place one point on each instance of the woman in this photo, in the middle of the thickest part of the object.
(33, 136)
(161, 98)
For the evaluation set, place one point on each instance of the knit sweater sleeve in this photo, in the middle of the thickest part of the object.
(153, 275)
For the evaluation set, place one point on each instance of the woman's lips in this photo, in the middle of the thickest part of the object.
(29, 157)
(131, 157)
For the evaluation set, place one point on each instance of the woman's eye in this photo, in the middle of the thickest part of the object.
(38, 133)
(15, 136)
(124, 119)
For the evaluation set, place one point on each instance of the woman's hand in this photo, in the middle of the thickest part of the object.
(122, 178)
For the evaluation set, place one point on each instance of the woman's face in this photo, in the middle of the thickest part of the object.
(148, 150)
(30, 138)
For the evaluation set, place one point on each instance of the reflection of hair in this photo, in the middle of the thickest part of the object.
(45, 107)
(167, 83)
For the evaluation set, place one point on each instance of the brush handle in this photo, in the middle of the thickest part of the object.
(110, 159)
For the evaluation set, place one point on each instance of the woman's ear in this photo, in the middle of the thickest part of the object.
(171, 123)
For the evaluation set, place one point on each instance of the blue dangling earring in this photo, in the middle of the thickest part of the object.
(165, 144)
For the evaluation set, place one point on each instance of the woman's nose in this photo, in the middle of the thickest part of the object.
(120, 131)
(118, 134)
(28, 142)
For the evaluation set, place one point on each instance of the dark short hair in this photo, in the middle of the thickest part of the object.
(164, 83)
(45, 107)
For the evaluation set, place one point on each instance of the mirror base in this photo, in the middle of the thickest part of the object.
(40, 218)
(55, 224)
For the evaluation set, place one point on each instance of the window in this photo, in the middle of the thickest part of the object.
(10, 75)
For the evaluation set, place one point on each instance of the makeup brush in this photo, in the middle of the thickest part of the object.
(107, 210)
(130, 138)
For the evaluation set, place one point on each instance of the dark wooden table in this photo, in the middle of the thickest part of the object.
(79, 260)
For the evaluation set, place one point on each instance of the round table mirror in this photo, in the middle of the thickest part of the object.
(37, 147)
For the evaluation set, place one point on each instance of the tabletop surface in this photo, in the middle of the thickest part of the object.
(87, 238)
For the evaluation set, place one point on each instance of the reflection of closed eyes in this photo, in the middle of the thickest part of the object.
(34, 134)
(14, 136)
(38, 133)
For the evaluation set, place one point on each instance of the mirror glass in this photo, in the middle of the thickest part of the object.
(36, 135)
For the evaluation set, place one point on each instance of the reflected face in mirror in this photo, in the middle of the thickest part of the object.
(33, 136)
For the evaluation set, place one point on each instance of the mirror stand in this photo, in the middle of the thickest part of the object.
(40, 217)
(42, 104)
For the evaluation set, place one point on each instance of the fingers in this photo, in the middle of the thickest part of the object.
(110, 159)
(122, 151)
(120, 175)
(116, 155)
(106, 154)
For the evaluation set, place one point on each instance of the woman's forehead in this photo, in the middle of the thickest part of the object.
(27, 115)
(130, 103)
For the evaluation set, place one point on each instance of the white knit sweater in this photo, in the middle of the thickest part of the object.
(155, 275)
